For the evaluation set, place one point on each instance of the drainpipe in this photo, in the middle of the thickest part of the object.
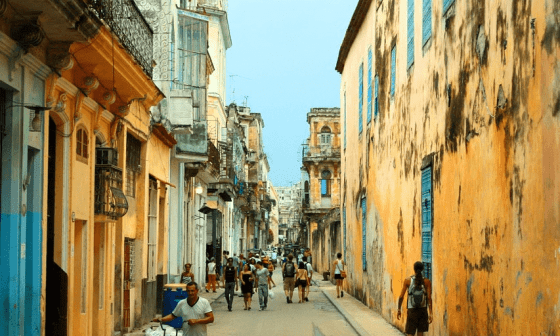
(180, 214)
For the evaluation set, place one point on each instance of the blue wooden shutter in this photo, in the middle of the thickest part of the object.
(344, 228)
(446, 5)
(364, 226)
(360, 97)
(426, 21)
(376, 109)
(410, 33)
(393, 70)
(427, 209)
(369, 93)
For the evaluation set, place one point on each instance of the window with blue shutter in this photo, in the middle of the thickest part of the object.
(344, 229)
(360, 97)
(446, 5)
(393, 69)
(369, 93)
(427, 215)
(364, 226)
(376, 96)
(410, 35)
(426, 21)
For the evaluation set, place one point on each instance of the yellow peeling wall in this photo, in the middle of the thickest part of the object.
(482, 99)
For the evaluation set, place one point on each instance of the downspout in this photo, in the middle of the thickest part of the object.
(180, 213)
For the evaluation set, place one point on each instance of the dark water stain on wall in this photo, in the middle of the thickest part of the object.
(454, 116)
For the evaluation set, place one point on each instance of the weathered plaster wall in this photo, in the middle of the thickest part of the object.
(482, 97)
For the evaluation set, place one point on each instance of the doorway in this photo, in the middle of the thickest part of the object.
(57, 279)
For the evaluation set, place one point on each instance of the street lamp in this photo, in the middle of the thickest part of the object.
(198, 189)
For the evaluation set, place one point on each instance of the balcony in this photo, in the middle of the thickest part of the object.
(320, 153)
(129, 25)
(110, 200)
(214, 156)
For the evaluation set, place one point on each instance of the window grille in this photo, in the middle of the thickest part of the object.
(426, 21)
(133, 166)
(129, 264)
(410, 33)
(427, 211)
(369, 93)
(360, 97)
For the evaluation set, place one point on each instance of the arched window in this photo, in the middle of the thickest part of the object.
(82, 145)
(325, 136)
(325, 183)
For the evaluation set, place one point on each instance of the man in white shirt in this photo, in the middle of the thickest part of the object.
(309, 276)
(195, 311)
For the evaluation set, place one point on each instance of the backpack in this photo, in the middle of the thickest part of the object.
(289, 270)
(417, 295)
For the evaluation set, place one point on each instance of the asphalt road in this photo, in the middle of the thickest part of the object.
(316, 317)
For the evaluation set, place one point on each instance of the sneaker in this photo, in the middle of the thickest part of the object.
(341, 294)
(306, 299)
(287, 299)
(229, 308)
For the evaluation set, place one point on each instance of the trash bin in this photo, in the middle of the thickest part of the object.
(172, 294)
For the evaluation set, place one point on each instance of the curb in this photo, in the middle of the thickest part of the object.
(359, 330)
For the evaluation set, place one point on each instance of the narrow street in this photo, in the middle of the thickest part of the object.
(316, 317)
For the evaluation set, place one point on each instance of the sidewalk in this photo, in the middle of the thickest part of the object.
(211, 297)
(364, 320)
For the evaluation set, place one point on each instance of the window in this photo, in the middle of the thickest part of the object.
(426, 21)
(172, 56)
(364, 226)
(393, 69)
(369, 93)
(192, 52)
(325, 136)
(152, 230)
(133, 167)
(427, 210)
(410, 35)
(376, 97)
(325, 183)
(82, 145)
(360, 97)
(446, 5)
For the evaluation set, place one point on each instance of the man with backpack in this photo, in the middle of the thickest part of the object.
(288, 273)
(419, 302)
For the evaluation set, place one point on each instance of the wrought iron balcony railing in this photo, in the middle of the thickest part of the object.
(127, 22)
(214, 156)
(109, 197)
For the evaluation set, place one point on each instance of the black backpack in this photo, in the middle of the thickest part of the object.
(417, 295)
(289, 270)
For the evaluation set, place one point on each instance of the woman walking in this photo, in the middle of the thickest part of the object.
(338, 265)
(247, 285)
(211, 268)
(187, 276)
(301, 280)
(419, 304)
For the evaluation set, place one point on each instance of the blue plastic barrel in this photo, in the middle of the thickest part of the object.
(172, 294)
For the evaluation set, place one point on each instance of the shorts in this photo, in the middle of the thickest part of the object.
(416, 320)
(338, 276)
(302, 283)
(289, 283)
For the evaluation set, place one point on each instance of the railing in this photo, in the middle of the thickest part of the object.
(109, 197)
(320, 151)
(214, 156)
(127, 22)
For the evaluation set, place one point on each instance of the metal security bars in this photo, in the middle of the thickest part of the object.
(364, 233)
(427, 210)
(127, 22)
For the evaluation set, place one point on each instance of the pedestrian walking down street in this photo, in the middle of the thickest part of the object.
(263, 285)
(338, 266)
(301, 281)
(288, 273)
(195, 311)
(211, 269)
(419, 302)
(187, 276)
(309, 277)
(254, 269)
(247, 279)
(221, 269)
(267, 263)
(230, 276)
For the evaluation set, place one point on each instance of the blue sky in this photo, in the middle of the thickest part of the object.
(283, 58)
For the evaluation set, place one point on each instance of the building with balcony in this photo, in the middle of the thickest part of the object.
(321, 186)
(290, 213)
(450, 157)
